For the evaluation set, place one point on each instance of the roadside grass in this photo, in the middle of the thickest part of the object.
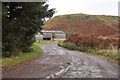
(26, 56)
(73, 46)
(109, 53)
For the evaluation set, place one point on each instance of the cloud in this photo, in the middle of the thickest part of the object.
(96, 7)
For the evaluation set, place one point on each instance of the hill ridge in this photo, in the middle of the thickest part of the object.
(84, 23)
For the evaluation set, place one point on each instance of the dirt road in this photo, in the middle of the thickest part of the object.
(58, 62)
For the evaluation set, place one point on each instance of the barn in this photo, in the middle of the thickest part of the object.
(50, 35)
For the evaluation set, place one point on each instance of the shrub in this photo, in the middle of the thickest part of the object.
(93, 41)
(92, 44)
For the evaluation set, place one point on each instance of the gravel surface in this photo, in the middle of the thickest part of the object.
(58, 62)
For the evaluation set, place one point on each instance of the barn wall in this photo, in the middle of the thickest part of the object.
(39, 37)
(60, 36)
(51, 36)
(47, 35)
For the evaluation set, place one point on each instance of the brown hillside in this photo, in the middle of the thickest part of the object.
(82, 23)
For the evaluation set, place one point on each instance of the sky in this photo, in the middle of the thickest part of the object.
(93, 7)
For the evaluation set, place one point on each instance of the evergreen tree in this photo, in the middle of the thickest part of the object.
(21, 20)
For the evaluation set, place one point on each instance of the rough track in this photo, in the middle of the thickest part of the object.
(58, 62)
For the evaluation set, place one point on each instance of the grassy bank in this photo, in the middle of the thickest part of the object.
(26, 56)
(110, 53)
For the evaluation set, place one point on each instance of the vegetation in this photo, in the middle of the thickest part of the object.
(73, 46)
(91, 44)
(110, 53)
(100, 25)
(96, 34)
(8, 61)
(94, 42)
(22, 57)
(20, 22)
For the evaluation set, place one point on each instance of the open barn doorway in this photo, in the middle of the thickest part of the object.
(46, 38)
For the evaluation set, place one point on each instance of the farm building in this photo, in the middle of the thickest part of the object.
(50, 35)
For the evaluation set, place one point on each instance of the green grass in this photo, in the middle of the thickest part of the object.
(27, 56)
(109, 53)
(73, 46)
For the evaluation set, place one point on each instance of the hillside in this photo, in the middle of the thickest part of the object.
(83, 23)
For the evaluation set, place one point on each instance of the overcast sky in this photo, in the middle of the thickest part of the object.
(94, 7)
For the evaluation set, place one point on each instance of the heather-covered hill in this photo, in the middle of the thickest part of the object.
(83, 23)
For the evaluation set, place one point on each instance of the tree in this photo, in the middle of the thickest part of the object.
(21, 20)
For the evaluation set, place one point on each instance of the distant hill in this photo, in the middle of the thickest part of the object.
(82, 23)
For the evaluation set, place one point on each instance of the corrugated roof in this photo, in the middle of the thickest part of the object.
(49, 31)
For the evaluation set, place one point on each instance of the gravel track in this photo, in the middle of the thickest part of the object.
(58, 62)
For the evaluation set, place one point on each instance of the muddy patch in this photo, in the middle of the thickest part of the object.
(58, 62)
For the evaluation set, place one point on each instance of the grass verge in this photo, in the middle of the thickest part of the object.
(23, 57)
(112, 54)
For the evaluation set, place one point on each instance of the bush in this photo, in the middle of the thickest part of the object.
(104, 47)
(93, 41)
